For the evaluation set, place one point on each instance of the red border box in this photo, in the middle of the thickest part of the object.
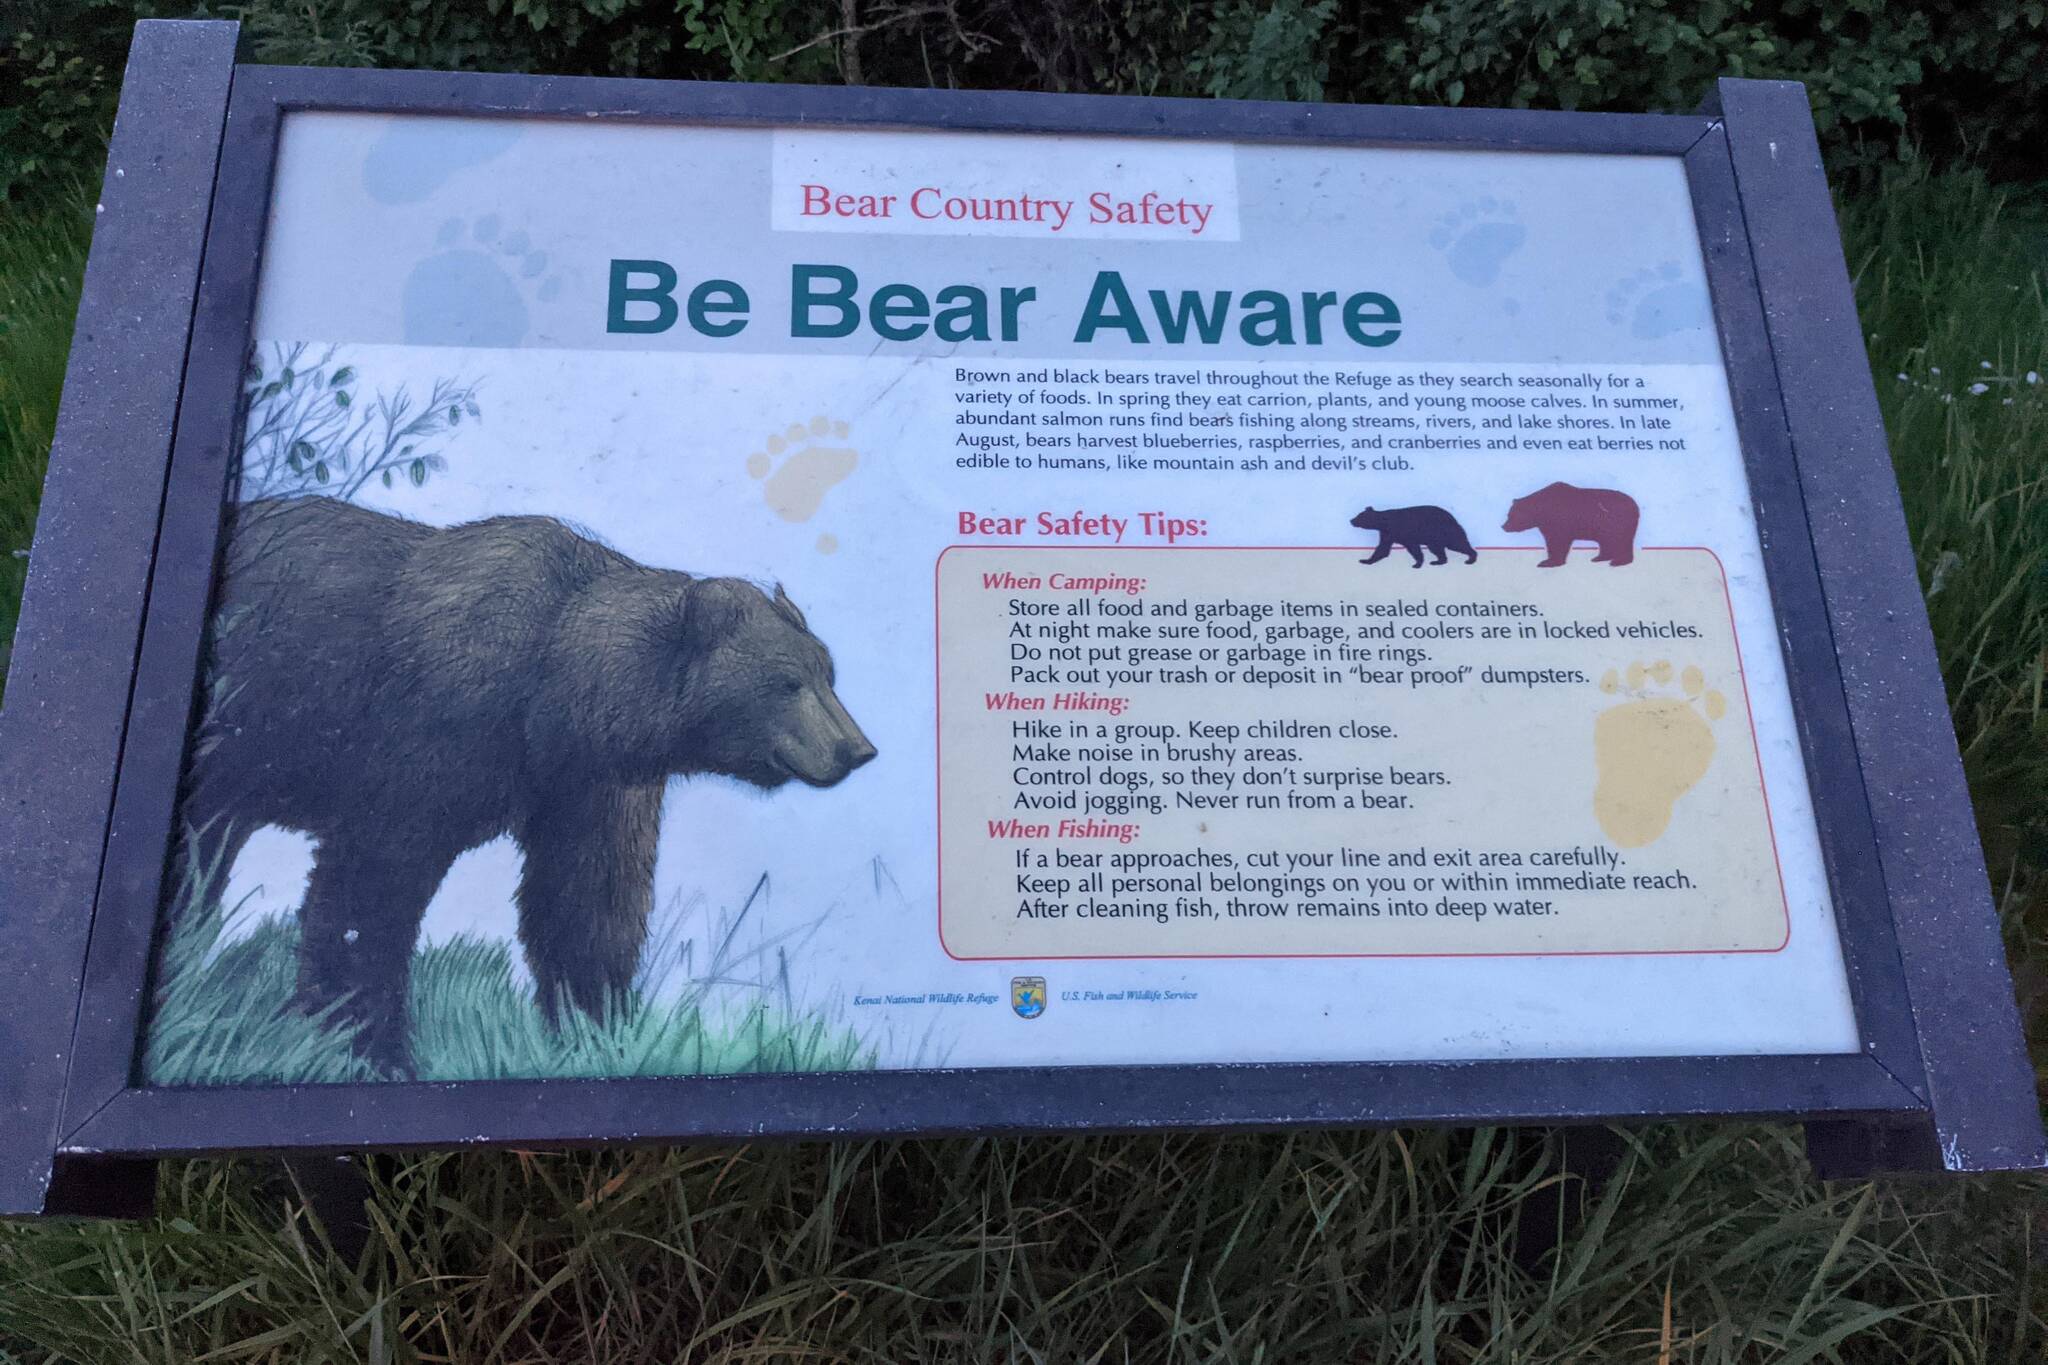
(939, 777)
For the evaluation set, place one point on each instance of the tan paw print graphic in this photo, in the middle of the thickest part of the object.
(1651, 750)
(799, 466)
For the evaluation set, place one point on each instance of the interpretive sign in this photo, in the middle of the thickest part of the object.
(988, 613)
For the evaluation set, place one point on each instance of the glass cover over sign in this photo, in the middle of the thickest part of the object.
(711, 600)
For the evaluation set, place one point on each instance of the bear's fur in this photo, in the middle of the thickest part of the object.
(403, 693)
(1564, 513)
(1415, 529)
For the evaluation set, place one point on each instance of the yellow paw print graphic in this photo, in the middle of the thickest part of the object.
(1652, 749)
(799, 466)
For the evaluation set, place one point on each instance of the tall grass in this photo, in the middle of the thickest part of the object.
(1952, 287)
(1712, 1244)
(42, 258)
(1709, 1245)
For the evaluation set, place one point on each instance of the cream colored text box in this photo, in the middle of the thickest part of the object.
(1275, 752)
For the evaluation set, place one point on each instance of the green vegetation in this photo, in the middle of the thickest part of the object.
(1960, 74)
(224, 1016)
(42, 258)
(1315, 1248)
(1952, 289)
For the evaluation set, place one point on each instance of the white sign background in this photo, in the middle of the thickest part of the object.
(474, 250)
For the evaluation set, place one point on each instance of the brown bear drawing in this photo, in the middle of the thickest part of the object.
(1415, 529)
(403, 693)
(1564, 513)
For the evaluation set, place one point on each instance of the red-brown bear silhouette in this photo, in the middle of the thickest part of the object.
(1564, 513)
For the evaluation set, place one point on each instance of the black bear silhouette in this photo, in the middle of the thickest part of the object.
(1415, 529)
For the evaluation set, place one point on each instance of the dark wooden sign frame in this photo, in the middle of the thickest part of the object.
(105, 666)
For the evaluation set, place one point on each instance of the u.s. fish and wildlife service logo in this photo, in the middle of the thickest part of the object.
(1027, 996)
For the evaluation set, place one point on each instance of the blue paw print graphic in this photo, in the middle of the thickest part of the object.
(475, 288)
(1477, 238)
(1655, 303)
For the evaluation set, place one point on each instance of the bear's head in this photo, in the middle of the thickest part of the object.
(1527, 513)
(1368, 520)
(758, 686)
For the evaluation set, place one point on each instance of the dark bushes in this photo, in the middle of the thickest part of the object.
(1953, 75)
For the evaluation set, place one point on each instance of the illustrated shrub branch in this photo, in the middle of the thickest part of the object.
(306, 431)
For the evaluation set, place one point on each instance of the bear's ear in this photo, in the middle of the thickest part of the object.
(789, 609)
(708, 614)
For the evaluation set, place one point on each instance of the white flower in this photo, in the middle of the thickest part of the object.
(1947, 564)
(1983, 364)
(2033, 376)
(1980, 388)
(1934, 369)
(1904, 379)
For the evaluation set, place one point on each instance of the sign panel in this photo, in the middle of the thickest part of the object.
(1106, 601)
(580, 611)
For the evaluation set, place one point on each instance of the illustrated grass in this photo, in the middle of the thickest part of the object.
(224, 1013)
(1712, 1243)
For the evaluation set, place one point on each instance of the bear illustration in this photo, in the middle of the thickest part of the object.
(403, 693)
(1415, 529)
(1564, 513)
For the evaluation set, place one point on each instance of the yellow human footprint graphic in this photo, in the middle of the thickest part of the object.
(800, 466)
(1652, 750)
